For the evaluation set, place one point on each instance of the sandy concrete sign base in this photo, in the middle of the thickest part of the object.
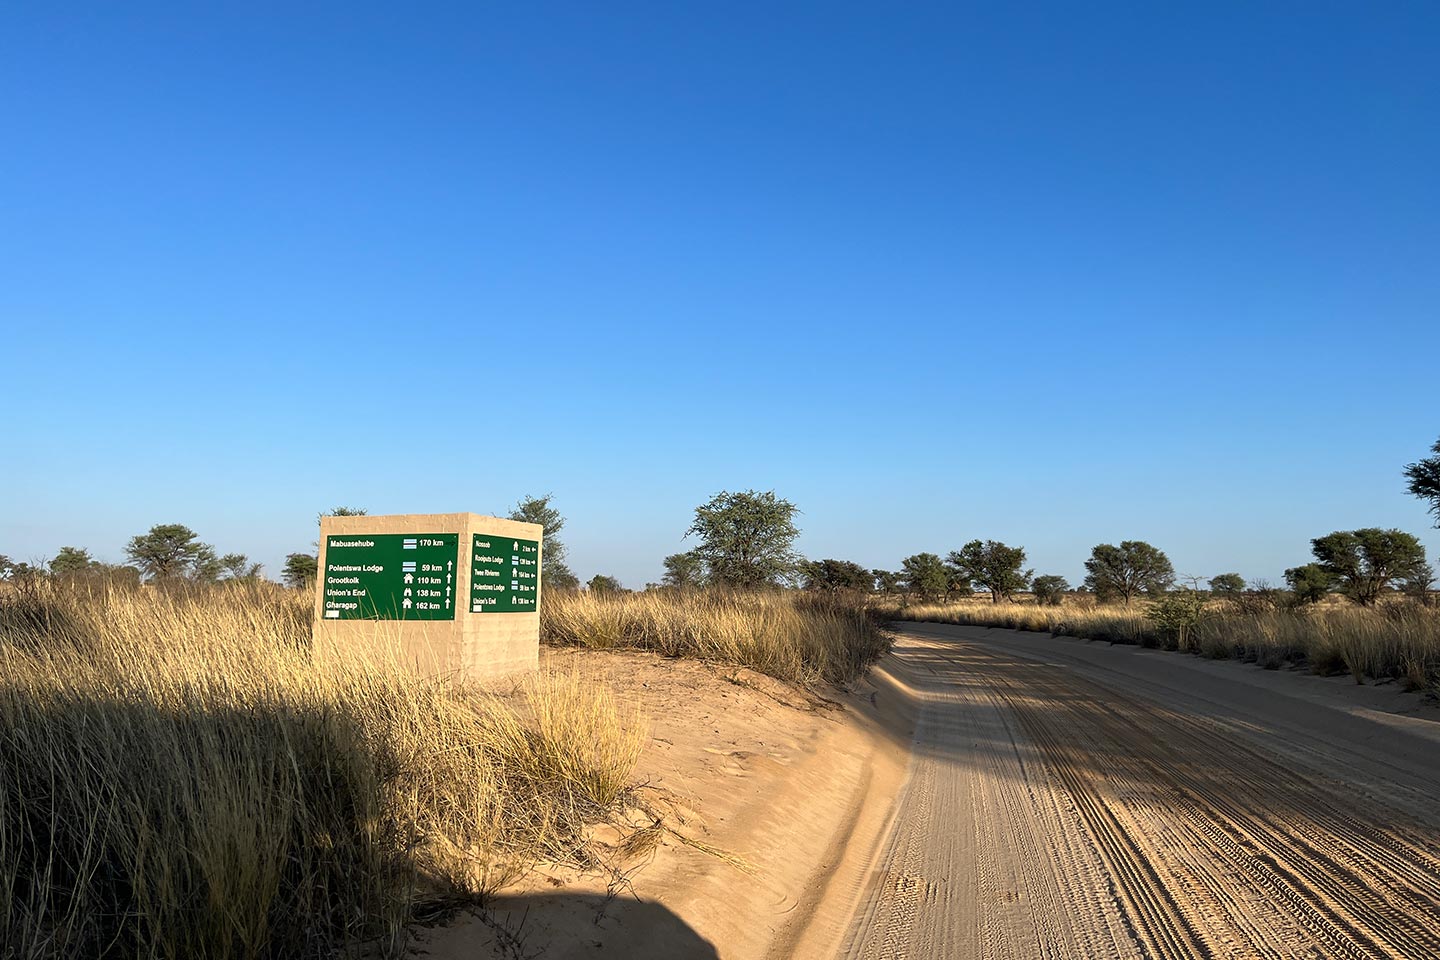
(445, 593)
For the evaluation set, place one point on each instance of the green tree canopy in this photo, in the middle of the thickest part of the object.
(172, 550)
(300, 570)
(1309, 583)
(342, 512)
(602, 584)
(994, 566)
(1227, 584)
(560, 577)
(74, 562)
(207, 566)
(887, 581)
(1049, 589)
(746, 539)
(836, 576)
(925, 574)
(237, 566)
(542, 511)
(1419, 582)
(1423, 480)
(337, 512)
(19, 571)
(684, 570)
(957, 582)
(1365, 563)
(1121, 573)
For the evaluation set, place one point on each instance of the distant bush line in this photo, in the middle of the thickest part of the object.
(1395, 641)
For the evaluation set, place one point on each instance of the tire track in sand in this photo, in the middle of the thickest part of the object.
(1050, 816)
(987, 857)
(1277, 836)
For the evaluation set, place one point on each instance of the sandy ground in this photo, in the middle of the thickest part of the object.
(997, 794)
(785, 779)
(1068, 799)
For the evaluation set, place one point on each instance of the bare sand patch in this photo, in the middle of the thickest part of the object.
(770, 783)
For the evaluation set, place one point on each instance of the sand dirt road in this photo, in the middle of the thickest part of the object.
(1076, 800)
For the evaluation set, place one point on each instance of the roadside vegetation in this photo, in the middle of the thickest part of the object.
(1392, 641)
(177, 779)
(1363, 605)
(724, 601)
(789, 635)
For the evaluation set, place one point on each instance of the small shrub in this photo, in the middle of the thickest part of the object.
(1049, 590)
(1176, 615)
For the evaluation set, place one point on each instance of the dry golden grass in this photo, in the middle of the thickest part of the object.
(1399, 640)
(791, 636)
(177, 780)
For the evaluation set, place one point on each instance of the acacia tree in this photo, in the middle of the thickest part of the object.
(600, 584)
(206, 566)
(957, 582)
(957, 579)
(886, 581)
(335, 512)
(172, 550)
(1424, 480)
(237, 566)
(1365, 563)
(300, 570)
(994, 566)
(1227, 584)
(836, 576)
(552, 550)
(1049, 589)
(1309, 583)
(924, 574)
(560, 577)
(73, 562)
(746, 539)
(1418, 584)
(1123, 572)
(684, 570)
(18, 571)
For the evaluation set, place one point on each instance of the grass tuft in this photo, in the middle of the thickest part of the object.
(797, 637)
(177, 780)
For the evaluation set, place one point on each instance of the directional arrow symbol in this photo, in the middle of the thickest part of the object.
(447, 604)
(449, 564)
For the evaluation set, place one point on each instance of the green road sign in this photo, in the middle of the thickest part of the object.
(504, 574)
(391, 576)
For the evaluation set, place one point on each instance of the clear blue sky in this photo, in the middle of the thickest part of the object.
(1055, 274)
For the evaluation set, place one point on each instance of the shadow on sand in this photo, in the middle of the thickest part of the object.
(563, 926)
